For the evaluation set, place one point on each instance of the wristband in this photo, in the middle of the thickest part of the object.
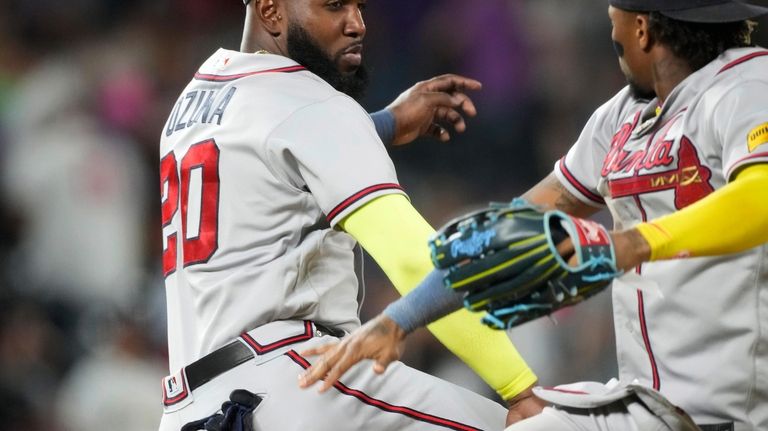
(384, 121)
(428, 302)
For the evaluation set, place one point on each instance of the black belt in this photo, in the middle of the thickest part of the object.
(217, 362)
(224, 359)
(717, 427)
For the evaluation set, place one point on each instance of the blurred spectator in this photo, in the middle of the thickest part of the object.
(80, 190)
(32, 356)
(115, 387)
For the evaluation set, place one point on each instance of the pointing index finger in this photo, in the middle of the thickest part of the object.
(451, 82)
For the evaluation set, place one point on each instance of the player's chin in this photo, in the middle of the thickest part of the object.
(349, 63)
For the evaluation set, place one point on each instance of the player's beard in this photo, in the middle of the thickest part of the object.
(303, 49)
(637, 90)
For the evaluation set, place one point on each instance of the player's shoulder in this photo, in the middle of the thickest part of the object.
(273, 86)
(738, 72)
(752, 61)
(262, 76)
(731, 69)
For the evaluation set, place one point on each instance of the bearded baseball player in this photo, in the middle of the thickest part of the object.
(269, 173)
(680, 157)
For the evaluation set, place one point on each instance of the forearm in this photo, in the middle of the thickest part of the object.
(395, 235)
(731, 220)
(550, 194)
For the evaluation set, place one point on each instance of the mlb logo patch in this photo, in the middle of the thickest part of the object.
(174, 389)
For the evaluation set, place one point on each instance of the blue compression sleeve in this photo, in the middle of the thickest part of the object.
(428, 302)
(384, 121)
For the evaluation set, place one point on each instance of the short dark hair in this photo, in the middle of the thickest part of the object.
(699, 43)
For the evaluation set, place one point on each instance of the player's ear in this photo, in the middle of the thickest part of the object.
(270, 15)
(644, 38)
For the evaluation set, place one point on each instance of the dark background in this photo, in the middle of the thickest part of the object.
(85, 88)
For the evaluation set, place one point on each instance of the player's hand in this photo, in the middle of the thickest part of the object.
(429, 107)
(524, 405)
(378, 339)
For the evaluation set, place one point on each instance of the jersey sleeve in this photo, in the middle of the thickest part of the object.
(331, 149)
(740, 122)
(579, 171)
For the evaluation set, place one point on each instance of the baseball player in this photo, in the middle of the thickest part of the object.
(680, 157)
(269, 173)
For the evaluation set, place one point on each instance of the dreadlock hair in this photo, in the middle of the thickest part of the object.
(699, 43)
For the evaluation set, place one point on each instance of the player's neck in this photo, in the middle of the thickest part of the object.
(668, 72)
(256, 38)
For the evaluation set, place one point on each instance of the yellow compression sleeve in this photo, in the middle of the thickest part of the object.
(396, 235)
(730, 220)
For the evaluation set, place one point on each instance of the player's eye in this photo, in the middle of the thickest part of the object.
(334, 5)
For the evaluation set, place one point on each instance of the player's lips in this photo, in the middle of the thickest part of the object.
(353, 55)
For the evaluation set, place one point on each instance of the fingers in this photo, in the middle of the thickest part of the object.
(451, 82)
(381, 364)
(447, 111)
(437, 131)
(455, 101)
(451, 116)
(338, 370)
(567, 251)
(463, 101)
(331, 354)
(319, 350)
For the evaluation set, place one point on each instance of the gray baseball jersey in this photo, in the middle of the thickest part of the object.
(260, 159)
(253, 181)
(699, 335)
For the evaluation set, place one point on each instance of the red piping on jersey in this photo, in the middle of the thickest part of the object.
(744, 59)
(279, 343)
(580, 187)
(646, 339)
(359, 195)
(640, 207)
(382, 405)
(641, 311)
(224, 78)
(736, 164)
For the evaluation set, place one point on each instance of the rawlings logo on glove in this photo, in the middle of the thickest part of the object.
(513, 261)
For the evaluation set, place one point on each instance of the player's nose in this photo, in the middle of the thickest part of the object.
(354, 24)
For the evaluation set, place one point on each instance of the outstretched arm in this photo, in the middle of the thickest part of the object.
(427, 109)
(679, 234)
(706, 228)
(393, 232)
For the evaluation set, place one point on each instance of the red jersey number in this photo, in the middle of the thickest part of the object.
(200, 161)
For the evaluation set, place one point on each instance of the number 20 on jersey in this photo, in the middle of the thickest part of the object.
(191, 186)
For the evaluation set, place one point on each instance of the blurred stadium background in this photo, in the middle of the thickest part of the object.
(85, 88)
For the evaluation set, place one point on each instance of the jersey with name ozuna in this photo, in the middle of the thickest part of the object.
(260, 160)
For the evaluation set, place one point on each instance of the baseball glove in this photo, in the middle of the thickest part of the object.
(507, 261)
